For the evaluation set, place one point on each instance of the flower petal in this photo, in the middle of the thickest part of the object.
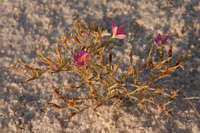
(165, 40)
(82, 58)
(120, 36)
(76, 58)
(80, 63)
(113, 25)
(159, 37)
(81, 53)
(121, 30)
(114, 31)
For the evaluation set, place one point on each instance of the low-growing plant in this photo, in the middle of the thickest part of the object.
(88, 55)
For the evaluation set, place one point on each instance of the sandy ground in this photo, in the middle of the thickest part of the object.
(26, 25)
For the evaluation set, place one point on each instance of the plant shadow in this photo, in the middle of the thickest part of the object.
(140, 38)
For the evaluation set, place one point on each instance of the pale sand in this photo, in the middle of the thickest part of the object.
(26, 25)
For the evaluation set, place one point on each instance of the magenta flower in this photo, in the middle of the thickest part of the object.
(88, 33)
(160, 40)
(118, 32)
(82, 58)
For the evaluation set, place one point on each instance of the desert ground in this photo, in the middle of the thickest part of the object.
(27, 25)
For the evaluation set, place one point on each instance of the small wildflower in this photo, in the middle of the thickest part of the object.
(88, 33)
(118, 32)
(55, 67)
(82, 58)
(161, 40)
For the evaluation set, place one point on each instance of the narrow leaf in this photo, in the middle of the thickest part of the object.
(161, 64)
(59, 56)
(76, 39)
(110, 59)
(161, 77)
(131, 56)
(116, 68)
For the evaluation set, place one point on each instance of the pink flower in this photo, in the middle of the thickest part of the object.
(118, 32)
(82, 58)
(55, 67)
(88, 33)
(160, 40)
